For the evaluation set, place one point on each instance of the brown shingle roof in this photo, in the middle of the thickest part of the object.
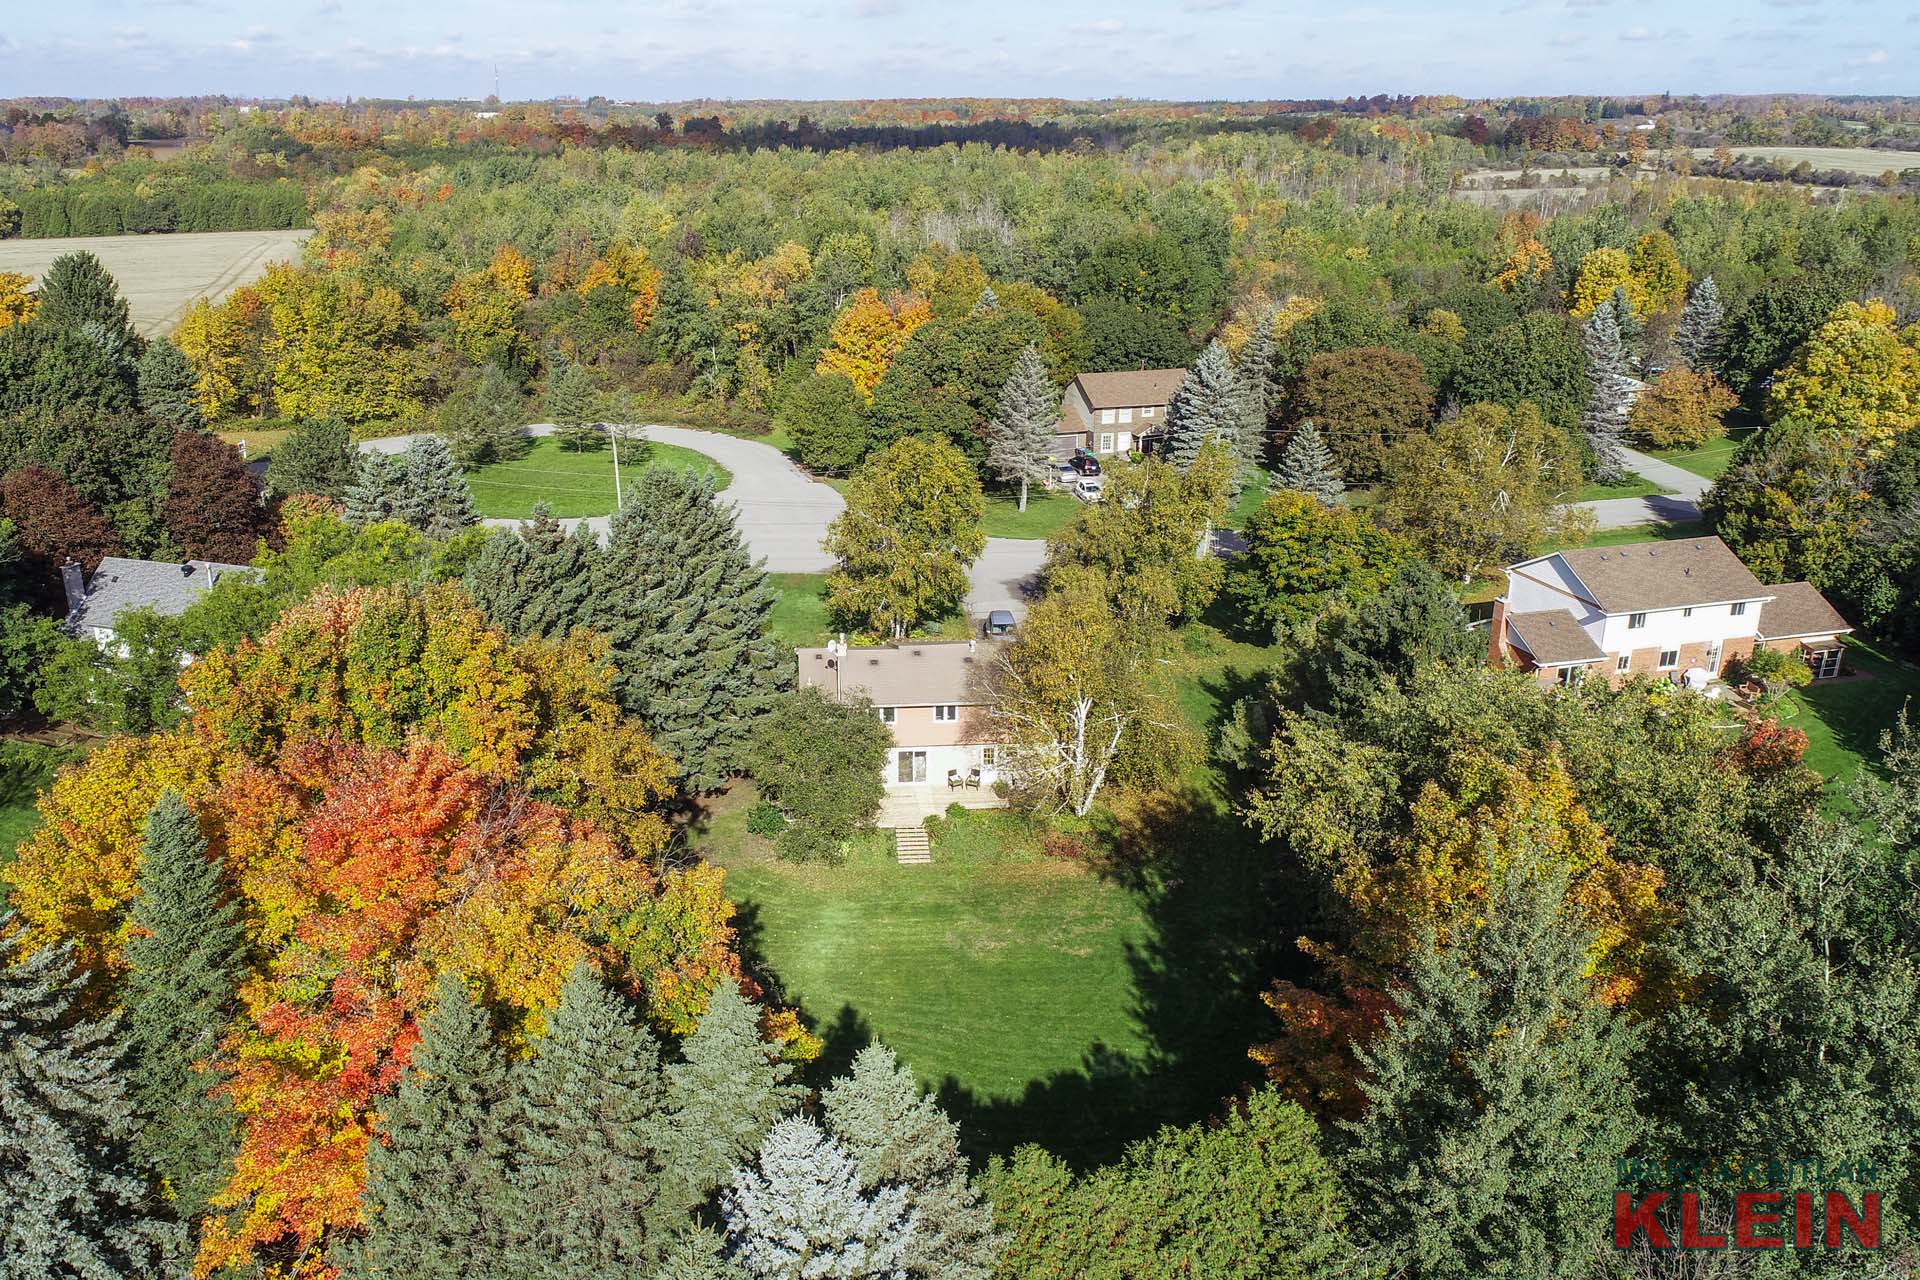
(1798, 609)
(1553, 637)
(1131, 389)
(907, 675)
(1663, 575)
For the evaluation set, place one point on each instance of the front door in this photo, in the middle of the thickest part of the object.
(1713, 658)
(912, 766)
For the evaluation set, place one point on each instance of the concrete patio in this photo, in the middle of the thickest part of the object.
(910, 806)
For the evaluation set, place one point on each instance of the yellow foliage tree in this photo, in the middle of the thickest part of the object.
(1659, 282)
(1856, 374)
(218, 343)
(16, 304)
(628, 268)
(1528, 260)
(868, 333)
(1601, 272)
(338, 347)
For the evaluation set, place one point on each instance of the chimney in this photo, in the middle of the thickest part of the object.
(75, 583)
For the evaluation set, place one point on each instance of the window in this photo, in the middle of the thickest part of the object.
(1149, 411)
(1106, 417)
(1686, 613)
(1106, 442)
(912, 766)
(1826, 663)
(1669, 659)
(1622, 662)
(989, 757)
(885, 714)
(1126, 415)
(1571, 676)
(946, 714)
(1635, 621)
(1739, 607)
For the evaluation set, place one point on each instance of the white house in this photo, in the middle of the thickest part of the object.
(929, 695)
(1655, 608)
(120, 584)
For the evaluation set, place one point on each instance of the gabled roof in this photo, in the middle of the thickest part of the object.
(1554, 637)
(166, 586)
(1131, 389)
(1797, 610)
(1661, 575)
(903, 675)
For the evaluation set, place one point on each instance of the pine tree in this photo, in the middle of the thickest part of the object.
(1632, 328)
(1021, 434)
(78, 294)
(1498, 1096)
(1698, 333)
(1208, 406)
(184, 965)
(897, 1135)
(724, 1094)
(436, 1173)
(167, 385)
(1609, 396)
(72, 1205)
(316, 457)
(687, 610)
(698, 1253)
(374, 494)
(586, 1114)
(570, 405)
(802, 1213)
(433, 495)
(1307, 466)
(1254, 374)
(536, 579)
(484, 422)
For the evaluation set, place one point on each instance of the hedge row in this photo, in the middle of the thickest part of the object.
(113, 210)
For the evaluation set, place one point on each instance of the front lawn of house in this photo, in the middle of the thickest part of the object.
(1046, 511)
(1710, 459)
(1631, 487)
(573, 483)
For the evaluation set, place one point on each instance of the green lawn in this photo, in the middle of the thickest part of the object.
(1654, 532)
(800, 616)
(1843, 719)
(1709, 460)
(258, 444)
(572, 483)
(1632, 487)
(1045, 513)
(25, 768)
(1248, 502)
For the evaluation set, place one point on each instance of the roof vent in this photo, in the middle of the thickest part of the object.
(873, 662)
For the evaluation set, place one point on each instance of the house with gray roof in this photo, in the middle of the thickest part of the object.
(1681, 610)
(120, 585)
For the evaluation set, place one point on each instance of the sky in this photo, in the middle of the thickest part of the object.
(1172, 49)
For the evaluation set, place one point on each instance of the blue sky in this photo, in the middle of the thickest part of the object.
(678, 49)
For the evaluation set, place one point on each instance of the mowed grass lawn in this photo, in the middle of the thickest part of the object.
(1844, 718)
(573, 483)
(1710, 459)
(25, 769)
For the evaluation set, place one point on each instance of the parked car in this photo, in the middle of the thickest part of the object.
(999, 623)
(1084, 463)
(1089, 488)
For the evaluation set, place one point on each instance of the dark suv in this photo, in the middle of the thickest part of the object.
(1084, 463)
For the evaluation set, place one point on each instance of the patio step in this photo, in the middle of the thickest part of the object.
(910, 847)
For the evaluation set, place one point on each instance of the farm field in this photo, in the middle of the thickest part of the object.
(1868, 160)
(164, 275)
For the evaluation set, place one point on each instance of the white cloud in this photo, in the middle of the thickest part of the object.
(1104, 27)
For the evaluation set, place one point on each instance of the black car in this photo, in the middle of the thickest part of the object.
(999, 623)
(1084, 463)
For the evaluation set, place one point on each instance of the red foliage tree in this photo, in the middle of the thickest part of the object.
(53, 520)
(213, 502)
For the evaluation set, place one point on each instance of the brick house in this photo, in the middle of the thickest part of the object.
(1106, 413)
(930, 696)
(1678, 610)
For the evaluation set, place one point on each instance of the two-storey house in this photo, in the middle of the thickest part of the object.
(930, 696)
(1107, 413)
(1665, 609)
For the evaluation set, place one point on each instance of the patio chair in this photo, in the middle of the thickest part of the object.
(973, 779)
(953, 778)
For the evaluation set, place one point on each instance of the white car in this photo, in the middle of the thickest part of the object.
(1089, 488)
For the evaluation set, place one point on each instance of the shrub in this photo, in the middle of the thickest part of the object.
(766, 820)
(1681, 408)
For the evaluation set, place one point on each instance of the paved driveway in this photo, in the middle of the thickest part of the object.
(1679, 506)
(1005, 576)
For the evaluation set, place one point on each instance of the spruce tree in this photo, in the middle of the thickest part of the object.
(895, 1134)
(1632, 327)
(1208, 406)
(723, 1095)
(73, 1205)
(436, 1172)
(1698, 334)
(1498, 1095)
(801, 1213)
(1254, 373)
(698, 1253)
(1307, 466)
(167, 385)
(432, 494)
(1609, 396)
(77, 293)
(587, 1189)
(570, 405)
(374, 494)
(1020, 437)
(184, 964)
(535, 579)
(687, 611)
(483, 422)
(316, 457)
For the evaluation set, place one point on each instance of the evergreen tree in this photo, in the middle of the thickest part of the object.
(1020, 437)
(1609, 395)
(1632, 327)
(897, 1135)
(1208, 406)
(433, 495)
(587, 1195)
(79, 295)
(1698, 333)
(536, 579)
(1254, 374)
(436, 1175)
(698, 1253)
(167, 385)
(687, 611)
(375, 491)
(723, 1096)
(1412, 623)
(987, 301)
(1498, 1095)
(802, 1213)
(72, 1204)
(570, 406)
(184, 964)
(483, 422)
(1307, 466)
(316, 457)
